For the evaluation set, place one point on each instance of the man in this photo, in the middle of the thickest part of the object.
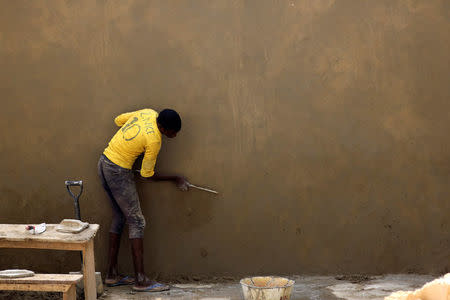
(140, 132)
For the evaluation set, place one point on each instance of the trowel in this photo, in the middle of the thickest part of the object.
(194, 186)
(201, 188)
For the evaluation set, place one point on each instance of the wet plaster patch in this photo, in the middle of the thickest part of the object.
(379, 287)
(438, 289)
(178, 291)
(193, 286)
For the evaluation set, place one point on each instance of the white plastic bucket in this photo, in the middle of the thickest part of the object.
(267, 288)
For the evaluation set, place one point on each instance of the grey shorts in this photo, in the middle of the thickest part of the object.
(120, 186)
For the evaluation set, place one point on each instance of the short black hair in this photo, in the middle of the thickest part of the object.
(169, 119)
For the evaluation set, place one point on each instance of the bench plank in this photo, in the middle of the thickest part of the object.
(18, 233)
(35, 287)
(54, 279)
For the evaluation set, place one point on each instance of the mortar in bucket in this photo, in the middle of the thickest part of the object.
(267, 288)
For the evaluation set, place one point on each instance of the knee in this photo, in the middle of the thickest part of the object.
(117, 224)
(136, 224)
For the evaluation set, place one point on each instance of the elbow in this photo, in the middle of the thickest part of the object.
(147, 174)
(118, 123)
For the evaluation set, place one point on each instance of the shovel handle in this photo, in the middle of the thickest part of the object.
(79, 183)
(70, 183)
(74, 183)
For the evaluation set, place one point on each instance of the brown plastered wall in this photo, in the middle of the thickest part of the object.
(324, 125)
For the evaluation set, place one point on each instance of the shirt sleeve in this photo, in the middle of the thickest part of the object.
(149, 161)
(123, 118)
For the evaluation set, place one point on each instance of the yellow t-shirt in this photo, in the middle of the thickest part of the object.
(139, 133)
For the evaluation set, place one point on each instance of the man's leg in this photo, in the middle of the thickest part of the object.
(123, 189)
(137, 250)
(114, 244)
(143, 283)
(118, 221)
(136, 224)
(131, 208)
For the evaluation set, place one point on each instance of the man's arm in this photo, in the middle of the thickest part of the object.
(163, 177)
(149, 160)
(180, 181)
(148, 166)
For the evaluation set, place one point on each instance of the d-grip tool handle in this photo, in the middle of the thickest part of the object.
(72, 182)
(79, 183)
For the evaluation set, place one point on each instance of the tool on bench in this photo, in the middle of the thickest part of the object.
(77, 227)
(79, 183)
(36, 229)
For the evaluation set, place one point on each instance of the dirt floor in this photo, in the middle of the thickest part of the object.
(349, 287)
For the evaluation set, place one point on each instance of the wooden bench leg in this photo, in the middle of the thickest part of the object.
(71, 293)
(90, 286)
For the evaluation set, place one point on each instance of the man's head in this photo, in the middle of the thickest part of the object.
(169, 122)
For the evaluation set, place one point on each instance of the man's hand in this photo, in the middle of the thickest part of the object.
(182, 183)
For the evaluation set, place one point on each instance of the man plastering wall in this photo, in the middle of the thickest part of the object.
(141, 132)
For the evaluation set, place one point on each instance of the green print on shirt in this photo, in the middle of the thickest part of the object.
(148, 126)
(129, 135)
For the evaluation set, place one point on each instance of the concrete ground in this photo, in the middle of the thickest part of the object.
(306, 287)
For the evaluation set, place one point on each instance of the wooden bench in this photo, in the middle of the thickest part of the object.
(15, 236)
(65, 283)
